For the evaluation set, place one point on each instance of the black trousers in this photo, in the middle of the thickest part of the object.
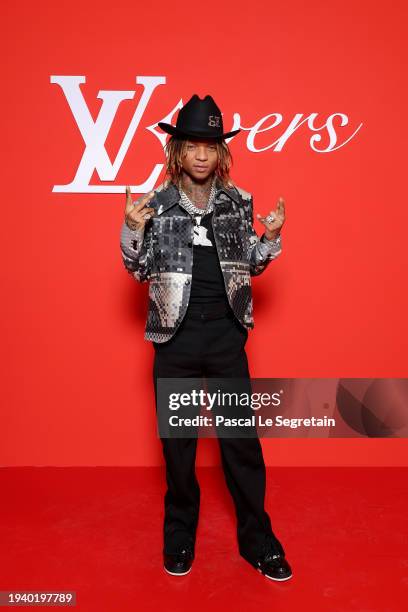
(212, 347)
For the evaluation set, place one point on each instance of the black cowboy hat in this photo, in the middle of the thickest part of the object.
(199, 118)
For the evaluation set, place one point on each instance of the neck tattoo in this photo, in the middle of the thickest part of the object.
(206, 206)
(197, 193)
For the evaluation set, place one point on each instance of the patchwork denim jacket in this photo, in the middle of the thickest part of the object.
(162, 254)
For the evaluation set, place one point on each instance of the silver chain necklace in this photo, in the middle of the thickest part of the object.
(194, 210)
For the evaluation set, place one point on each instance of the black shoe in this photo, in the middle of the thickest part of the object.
(275, 567)
(179, 564)
(273, 563)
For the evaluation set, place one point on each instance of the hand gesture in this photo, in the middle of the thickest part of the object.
(136, 215)
(274, 221)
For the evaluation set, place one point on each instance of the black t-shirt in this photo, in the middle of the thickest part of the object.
(207, 284)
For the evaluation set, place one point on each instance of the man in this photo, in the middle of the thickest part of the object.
(193, 239)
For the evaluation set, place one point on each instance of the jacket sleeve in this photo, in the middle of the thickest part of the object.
(261, 250)
(137, 253)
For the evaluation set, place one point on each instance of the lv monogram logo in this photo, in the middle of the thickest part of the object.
(95, 132)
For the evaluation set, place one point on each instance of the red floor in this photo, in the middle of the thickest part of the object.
(97, 531)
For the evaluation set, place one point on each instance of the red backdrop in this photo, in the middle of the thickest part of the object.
(77, 383)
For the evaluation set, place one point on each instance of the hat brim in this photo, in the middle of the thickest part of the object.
(171, 129)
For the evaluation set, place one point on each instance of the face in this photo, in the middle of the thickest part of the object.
(201, 158)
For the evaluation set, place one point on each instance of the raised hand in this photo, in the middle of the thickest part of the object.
(274, 221)
(137, 215)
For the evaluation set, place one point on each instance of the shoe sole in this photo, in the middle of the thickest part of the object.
(177, 573)
(277, 579)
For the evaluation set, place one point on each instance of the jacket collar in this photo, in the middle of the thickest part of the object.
(167, 197)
